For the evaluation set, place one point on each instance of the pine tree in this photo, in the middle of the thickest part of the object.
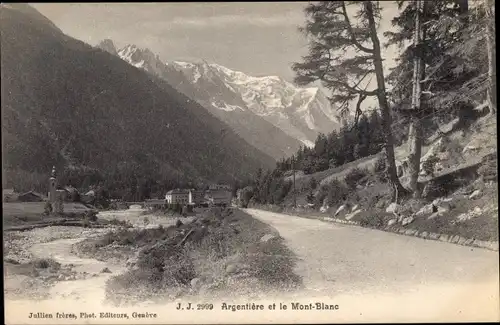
(331, 33)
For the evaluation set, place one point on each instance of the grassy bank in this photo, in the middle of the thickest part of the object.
(470, 211)
(222, 252)
(17, 215)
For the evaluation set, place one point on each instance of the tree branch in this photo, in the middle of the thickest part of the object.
(358, 111)
(351, 32)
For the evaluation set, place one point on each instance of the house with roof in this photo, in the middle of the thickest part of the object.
(220, 197)
(31, 196)
(221, 187)
(9, 195)
(196, 197)
(177, 196)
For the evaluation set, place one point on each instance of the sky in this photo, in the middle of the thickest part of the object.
(255, 38)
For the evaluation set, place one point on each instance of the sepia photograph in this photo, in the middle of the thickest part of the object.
(249, 162)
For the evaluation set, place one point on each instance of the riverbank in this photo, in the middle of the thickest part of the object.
(222, 253)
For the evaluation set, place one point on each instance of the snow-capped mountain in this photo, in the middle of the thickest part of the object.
(269, 112)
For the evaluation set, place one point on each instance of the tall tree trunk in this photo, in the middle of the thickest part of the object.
(415, 133)
(490, 45)
(398, 189)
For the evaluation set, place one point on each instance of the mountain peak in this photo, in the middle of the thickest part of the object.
(300, 112)
(108, 46)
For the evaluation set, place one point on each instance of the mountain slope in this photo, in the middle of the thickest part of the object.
(254, 129)
(267, 102)
(65, 102)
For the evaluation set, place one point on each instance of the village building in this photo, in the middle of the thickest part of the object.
(220, 187)
(220, 197)
(9, 195)
(31, 196)
(177, 196)
(154, 204)
(72, 194)
(196, 197)
(88, 198)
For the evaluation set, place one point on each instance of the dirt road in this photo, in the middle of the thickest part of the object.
(439, 279)
(370, 275)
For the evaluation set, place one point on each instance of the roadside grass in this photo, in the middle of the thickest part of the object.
(223, 252)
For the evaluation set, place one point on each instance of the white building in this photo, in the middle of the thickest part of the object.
(177, 196)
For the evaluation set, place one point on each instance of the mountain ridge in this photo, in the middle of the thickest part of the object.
(300, 113)
(65, 102)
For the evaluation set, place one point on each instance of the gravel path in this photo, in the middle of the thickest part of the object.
(358, 262)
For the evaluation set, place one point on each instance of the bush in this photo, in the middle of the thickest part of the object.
(380, 169)
(372, 221)
(354, 176)
(433, 190)
(46, 263)
(429, 164)
(337, 192)
(47, 209)
(90, 216)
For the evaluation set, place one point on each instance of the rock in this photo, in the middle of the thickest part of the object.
(340, 209)
(393, 208)
(324, 209)
(61, 277)
(267, 238)
(455, 239)
(461, 241)
(435, 215)
(105, 270)
(407, 220)
(410, 232)
(434, 236)
(359, 187)
(391, 222)
(195, 283)
(400, 219)
(354, 208)
(351, 215)
(380, 204)
(475, 195)
(231, 268)
(443, 237)
(424, 234)
(427, 209)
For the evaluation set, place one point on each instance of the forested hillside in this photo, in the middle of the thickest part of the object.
(452, 45)
(98, 119)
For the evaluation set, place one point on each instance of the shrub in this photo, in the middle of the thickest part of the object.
(46, 263)
(47, 209)
(372, 221)
(429, 164)
(90, 216)
(354, 176)
(381, 170)
(433, 190)
(337, 192)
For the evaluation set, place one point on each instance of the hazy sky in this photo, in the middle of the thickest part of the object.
(255, 38)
